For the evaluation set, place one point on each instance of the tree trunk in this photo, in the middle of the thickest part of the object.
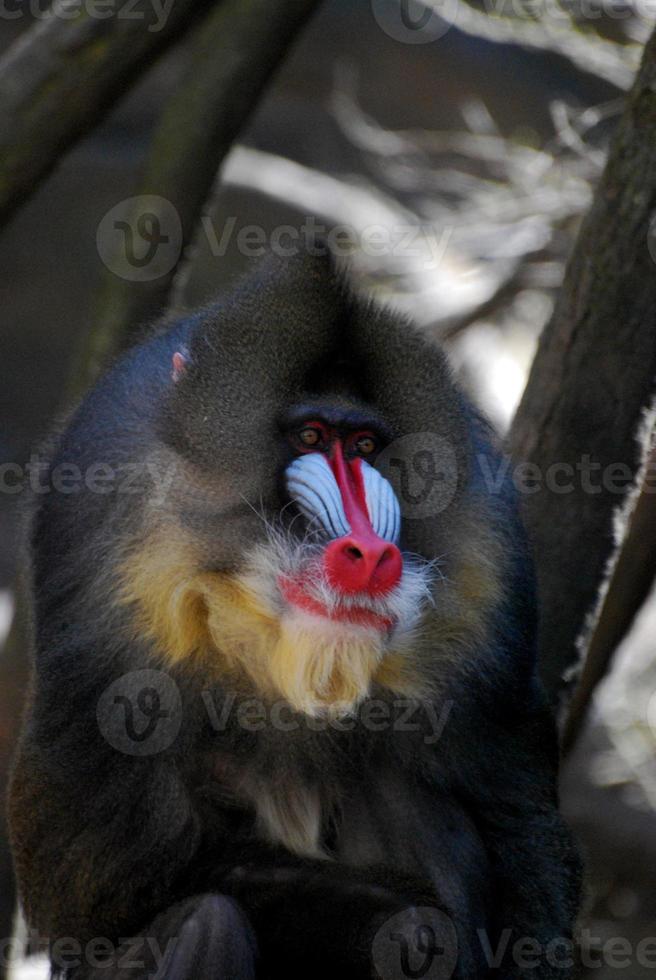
(592, 379)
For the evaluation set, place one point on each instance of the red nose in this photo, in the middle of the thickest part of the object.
(363, 563)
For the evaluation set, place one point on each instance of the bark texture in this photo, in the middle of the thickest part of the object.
(593, 377)
(61, 76)
(628, 588)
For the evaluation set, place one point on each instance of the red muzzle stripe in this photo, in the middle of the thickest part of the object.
(362, 561)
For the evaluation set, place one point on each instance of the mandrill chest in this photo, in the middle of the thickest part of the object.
(282, 779)
(378, 812)
(343, 788)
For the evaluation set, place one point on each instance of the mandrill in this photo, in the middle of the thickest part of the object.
(285, 719)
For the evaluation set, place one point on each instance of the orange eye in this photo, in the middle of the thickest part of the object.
(365, 445)
(310, 436)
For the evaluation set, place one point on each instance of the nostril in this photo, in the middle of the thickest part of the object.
(386, 556)
(363, 564)
(387, 571)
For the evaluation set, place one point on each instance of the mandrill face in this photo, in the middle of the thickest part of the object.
(333, 579)
(283, 559)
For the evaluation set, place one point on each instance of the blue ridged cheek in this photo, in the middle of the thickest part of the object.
(312, 486)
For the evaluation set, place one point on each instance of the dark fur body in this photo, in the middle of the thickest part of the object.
(106, 841)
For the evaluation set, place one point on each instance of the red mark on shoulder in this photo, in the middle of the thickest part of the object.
(179, 365)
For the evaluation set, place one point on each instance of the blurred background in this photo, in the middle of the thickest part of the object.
(476, 149)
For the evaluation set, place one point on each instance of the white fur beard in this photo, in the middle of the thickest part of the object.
(325, 666)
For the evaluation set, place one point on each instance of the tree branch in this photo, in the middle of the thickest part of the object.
(628, 588)
(233, 55)
(554, 32)
(13, 678)
(592, 379)
(61, 76)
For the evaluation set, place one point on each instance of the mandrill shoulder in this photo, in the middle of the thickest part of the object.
(98, 475)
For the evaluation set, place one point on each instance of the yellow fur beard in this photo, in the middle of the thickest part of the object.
(314, 665)
(213, 620)
(221, 625)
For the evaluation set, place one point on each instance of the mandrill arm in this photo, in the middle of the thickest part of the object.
(507, 773)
